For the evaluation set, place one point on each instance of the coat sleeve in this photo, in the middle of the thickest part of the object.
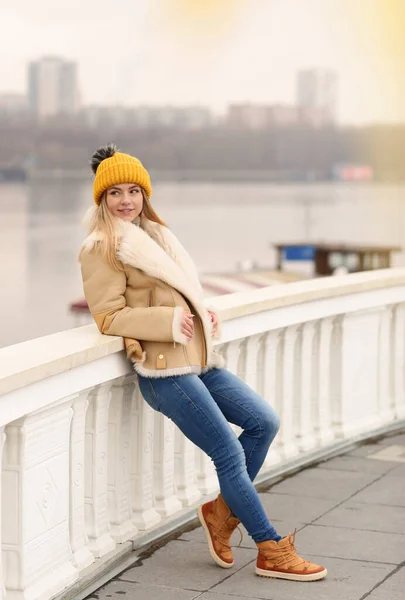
(104, 289)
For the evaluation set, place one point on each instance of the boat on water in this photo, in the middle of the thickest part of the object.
(313, 259)
(12, 174)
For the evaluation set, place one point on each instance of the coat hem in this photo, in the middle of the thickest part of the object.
(159, 373)
(217, 363)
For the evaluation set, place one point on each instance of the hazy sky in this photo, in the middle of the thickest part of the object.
(213, 52)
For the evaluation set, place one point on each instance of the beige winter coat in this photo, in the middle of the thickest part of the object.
(145, 301)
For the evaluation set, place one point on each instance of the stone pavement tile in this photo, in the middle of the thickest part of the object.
(373, 517)
(392, 589)
(399, 438)
(398, 472)
(358, 464)
(364, 450)
(346, 579)
(281, 507)
(213, 596)
(184, 565)
(351, 544)
(388, 490)
(324, 483)
(118, 590)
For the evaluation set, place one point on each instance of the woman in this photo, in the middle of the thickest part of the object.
(141, 284)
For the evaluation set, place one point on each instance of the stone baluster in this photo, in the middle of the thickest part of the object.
(2, 573)
(271, 374)
(253, 366)
(144, 515)
(234, 353)
(184, 467)
(399, 361)
(96, 468)
(37, 557)
(290, 386)
(357, 409)
(386, 362)
(207, 480)
(166, 501)
(308, 395)
(336, 376)
(324, 415)
(77, 526)
(236, 361)
(119, 455)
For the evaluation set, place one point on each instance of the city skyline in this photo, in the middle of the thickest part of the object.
(249, 54)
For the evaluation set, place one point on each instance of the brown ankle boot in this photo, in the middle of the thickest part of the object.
(280, 559)
(219, 524)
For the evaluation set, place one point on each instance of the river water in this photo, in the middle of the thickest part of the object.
(220, 224)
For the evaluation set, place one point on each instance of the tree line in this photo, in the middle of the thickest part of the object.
(67, 143)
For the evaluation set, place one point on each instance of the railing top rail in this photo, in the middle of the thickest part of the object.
(35, 360)
(240, 304)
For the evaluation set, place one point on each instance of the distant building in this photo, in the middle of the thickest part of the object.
(248, 116)
(186, 118)
(52, 87)
(149, 117)
(261, 116)
(284, 114)
(317, 96)
(13, 104)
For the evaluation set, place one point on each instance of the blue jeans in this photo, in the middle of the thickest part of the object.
(201, 407)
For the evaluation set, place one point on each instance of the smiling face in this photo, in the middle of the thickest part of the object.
(125, 200)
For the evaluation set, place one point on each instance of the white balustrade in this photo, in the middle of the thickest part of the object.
(399, 361)
(119, 455)
(37, 556)
(207, 481)
(96, 471)
(87, 465)
(142, 432)
(290, 386)
(322, 405)
(270, 387)
(308, 392)
(78, 538)
(166, 501)
(2, 573)
(185, 473)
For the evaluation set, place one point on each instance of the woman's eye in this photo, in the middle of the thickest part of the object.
(134, 191)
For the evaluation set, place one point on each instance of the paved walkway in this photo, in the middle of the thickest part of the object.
(350, 515)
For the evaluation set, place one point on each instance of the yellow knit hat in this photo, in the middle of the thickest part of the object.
(120, 168)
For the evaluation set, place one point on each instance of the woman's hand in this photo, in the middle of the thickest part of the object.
(187, 325)
(214, 321)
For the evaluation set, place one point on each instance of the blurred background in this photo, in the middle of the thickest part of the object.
(260, 121)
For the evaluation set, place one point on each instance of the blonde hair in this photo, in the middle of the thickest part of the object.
(104, 222)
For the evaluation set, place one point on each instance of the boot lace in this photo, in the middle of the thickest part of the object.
(223, 532)
(288, 555)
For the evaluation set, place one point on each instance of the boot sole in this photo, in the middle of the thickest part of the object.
(291, 576)
(214, 555)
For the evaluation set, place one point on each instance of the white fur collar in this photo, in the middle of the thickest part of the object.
(154, 249)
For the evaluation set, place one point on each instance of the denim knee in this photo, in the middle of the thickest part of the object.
(270, 424)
